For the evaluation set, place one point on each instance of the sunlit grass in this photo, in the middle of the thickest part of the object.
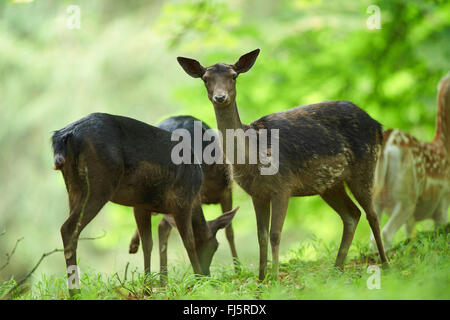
(419, 269)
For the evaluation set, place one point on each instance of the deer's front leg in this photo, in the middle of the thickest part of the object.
(183, 221)
(144, 224)
(262, 211)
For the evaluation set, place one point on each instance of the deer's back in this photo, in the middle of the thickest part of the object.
(318, 146)
(322, 130)
(135, 158)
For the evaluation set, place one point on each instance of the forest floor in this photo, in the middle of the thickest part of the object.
(419, 269)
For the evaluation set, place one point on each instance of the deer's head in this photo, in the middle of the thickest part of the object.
(206, 242)
(220, 78)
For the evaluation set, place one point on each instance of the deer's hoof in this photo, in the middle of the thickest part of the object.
(133, 248)
(386, 266)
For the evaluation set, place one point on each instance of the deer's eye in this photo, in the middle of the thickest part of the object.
(235, 76)
(205, 80)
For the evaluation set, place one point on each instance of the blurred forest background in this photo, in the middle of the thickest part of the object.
(122, 60)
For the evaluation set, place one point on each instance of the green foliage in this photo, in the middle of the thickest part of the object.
(123, 61)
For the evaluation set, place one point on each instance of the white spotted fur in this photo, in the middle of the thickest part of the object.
(412, 178)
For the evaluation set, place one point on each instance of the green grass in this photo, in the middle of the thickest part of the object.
(419, 269)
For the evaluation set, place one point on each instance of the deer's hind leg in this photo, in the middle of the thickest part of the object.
(362, 191)
(338, 199)
(91, 183)
(87, 195)
(280, 205)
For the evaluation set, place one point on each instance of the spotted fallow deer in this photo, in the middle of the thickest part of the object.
(412, 180)
(105, 157)
(321, 147)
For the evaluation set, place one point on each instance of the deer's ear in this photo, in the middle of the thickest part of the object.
(246, 61)
(222, 222)
(192, 67)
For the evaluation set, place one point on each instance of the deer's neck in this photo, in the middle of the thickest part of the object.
(201, 230)
(443, 120)
(228, 118)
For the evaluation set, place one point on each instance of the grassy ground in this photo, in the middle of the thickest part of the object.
(419, 269)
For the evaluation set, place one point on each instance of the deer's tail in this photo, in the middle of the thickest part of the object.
(381, 169)
(60, 139)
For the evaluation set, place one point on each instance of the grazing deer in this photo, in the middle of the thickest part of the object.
(321, 146)
(413, 177)
(216, 188)
(111, 158)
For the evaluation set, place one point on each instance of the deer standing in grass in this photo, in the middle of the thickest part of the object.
(321, 147)
(216, 188)
(111, 158)
(413, 177)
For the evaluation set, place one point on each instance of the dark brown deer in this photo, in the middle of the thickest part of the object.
(216, 188)
(413, 177)
(321, 147)
(111, 158)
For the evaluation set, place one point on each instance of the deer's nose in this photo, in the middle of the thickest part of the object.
(220, 98)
